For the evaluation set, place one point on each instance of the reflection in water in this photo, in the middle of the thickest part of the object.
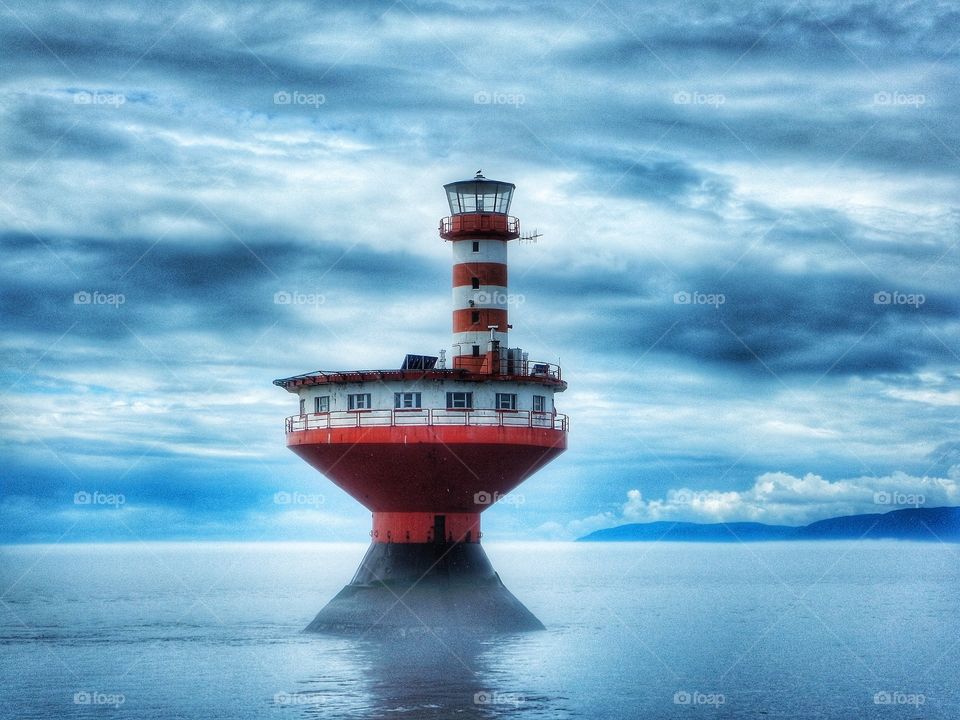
(424, 676)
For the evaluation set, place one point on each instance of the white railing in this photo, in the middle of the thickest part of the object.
(400, 418)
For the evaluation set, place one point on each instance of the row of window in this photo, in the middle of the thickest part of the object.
(412, 401)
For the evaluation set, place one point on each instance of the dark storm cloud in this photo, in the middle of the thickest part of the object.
(246, 64)
(794, 82)
(215, 287)
(43, 129)
(634, 174)
(762, 320)
(192, 50)
(816, 32)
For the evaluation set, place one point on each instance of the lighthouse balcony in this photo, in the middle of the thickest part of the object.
(427, 417)
(479, 225)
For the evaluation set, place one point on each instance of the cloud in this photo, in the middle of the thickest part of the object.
(776, 498)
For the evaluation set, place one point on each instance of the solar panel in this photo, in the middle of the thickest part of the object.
(418, 362)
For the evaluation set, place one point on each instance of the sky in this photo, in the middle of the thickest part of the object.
(747, 269)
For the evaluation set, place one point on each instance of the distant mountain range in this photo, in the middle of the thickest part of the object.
(930, 524)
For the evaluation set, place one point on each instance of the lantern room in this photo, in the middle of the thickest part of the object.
(479, 195)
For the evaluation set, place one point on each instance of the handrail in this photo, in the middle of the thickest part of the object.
(535, 368)
(477, 222)
(481, 417)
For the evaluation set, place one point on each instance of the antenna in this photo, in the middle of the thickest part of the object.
(531, 238)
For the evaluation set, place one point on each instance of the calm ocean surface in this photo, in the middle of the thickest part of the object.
(646, 630)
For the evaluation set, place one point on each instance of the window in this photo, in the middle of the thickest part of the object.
(402, 400)
(359, 401)
(476, 246)
(475, 317)
(539, 403)
(506, 401)
(321, 404)
(475, 283)
(459, 400)
(303, 406)
(476, 351)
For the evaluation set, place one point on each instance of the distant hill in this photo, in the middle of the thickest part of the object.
(930, 524)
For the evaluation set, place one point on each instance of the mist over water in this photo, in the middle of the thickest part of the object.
(651, 630)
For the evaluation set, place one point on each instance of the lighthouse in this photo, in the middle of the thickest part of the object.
(427, 448)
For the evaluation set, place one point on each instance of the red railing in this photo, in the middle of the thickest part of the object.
(433, 416)
(478, 223)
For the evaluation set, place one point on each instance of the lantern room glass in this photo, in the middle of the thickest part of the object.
(479, 196)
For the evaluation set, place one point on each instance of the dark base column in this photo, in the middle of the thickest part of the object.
(417, 588)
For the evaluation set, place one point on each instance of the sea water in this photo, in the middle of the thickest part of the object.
(641, 630)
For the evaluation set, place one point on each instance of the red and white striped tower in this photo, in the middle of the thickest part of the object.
(479, 230)
(427, 449)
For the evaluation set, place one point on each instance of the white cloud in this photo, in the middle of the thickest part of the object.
(776, 498)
